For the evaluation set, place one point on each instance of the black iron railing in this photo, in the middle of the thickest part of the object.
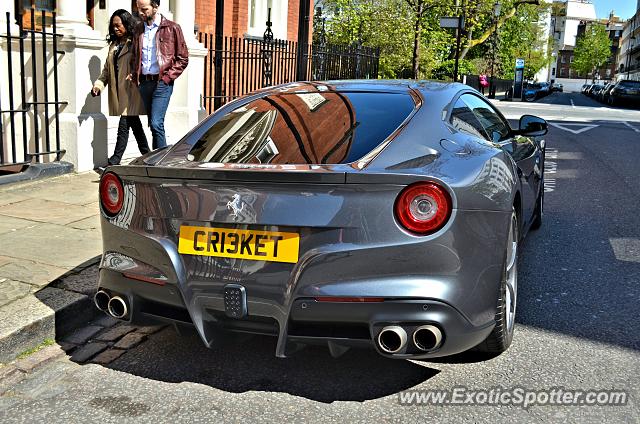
(32, 111)
(246, 65)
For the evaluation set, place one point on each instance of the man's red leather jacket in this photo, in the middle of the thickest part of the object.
(172, 52)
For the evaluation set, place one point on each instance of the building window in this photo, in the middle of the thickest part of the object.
(571, 59)
(42, 16)
(562, 59)
(258, 12)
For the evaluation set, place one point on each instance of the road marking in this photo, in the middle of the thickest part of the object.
(626, 249)
(632, 127)
(583, 127)
(550, 167)
(573, 105)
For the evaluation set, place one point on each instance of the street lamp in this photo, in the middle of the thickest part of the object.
(496, 13)
(629, 48)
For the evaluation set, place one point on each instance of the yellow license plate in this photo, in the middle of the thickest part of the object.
(270, 246)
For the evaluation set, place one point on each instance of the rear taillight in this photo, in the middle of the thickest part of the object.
(423, 208)
(111, 194)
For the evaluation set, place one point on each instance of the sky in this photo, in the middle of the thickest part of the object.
(624, 8)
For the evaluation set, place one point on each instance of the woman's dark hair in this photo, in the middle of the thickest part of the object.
(128, 21)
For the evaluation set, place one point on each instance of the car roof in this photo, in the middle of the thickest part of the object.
(431, 88)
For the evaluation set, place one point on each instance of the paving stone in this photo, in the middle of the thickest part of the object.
(34, 273)
(50, 211)
(12, 290)
(130, 340)
(91, 223)
(55, 245)
(23, 324)
(82, 335)
(9, 377)
(150, 329)
(77, 189)
(38, 358)
(67, 347)
(88, 351)
(115, 333)
(105, 321)
(84, 282)
(11, 224)
(108, 356)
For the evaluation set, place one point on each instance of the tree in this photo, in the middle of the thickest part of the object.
(593, 48)
(475, 10)
(410, 39)
(419, 8)
(523, 37)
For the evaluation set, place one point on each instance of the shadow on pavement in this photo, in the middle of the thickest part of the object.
(248, 364)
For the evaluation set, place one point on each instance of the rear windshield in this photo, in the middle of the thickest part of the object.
(304, 128)
(630, 84)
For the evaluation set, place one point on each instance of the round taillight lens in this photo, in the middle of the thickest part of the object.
(111, 193)
(423, 208)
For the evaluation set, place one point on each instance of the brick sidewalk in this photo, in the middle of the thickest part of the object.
(48, 228)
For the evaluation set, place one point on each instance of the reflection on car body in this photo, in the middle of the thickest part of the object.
(350, 213)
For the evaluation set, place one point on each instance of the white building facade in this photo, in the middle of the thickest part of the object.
(629, 54)
(87, 133)
(564, 28)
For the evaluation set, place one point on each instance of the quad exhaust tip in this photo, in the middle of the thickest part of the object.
(392, 339)
(101, 299)
(118, 307)
(427, 337)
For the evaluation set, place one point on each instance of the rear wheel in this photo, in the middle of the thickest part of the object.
(502, 335)
(537, 220)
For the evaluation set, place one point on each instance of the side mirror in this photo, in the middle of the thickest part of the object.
(532, 126)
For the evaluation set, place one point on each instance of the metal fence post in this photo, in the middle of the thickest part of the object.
(267, 52)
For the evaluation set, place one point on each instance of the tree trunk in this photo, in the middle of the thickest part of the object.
(416, 42)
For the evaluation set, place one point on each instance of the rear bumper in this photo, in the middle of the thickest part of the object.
(450, 281)
(310, 321)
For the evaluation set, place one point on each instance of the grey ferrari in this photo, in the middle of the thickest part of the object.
(385, 214)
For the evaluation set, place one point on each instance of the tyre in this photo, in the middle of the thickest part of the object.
(537, 220)
(502, 334)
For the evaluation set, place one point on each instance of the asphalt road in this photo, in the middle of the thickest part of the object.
(578, 325)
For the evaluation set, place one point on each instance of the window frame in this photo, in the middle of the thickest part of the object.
(459, 96)
(279, 13)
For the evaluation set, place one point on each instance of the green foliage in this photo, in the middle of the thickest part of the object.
(45, 343)
(444, 71)
(593, 48)
(390, 25)
(523, 37)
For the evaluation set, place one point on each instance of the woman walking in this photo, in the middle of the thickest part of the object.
(124, 97)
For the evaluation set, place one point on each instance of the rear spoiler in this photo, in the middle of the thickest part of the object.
(314, 176)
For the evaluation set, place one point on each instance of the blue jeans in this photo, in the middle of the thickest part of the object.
(155, 96)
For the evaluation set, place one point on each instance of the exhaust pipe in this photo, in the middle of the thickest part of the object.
(427, 337)
(118, 307)
(101, 299)
(392, 339)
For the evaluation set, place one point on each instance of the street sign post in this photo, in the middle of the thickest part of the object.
(451, 22)
(456, 22)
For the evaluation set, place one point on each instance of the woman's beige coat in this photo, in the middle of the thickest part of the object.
(125, 99)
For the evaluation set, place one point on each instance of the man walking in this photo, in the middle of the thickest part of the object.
(163, 56)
